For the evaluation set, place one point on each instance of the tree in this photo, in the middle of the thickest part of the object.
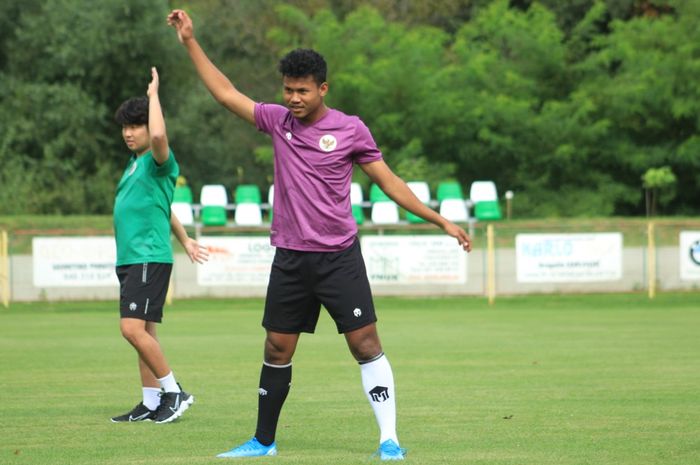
(642, 81)
(65, 71)
(368, 59)
(658, 184)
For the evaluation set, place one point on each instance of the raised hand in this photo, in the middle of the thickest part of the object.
(154, 84)
(182, 24)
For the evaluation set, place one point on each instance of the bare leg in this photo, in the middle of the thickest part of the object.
(147, 345)
(148, 379)
(364, 343)
(280, 347)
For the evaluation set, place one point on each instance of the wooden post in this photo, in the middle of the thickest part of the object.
(4, 269)
(490, 265)
(651, 260)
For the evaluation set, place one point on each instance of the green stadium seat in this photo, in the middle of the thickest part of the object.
(358, 214)
(484, 196)
(376, 194)
(356, 199)
(449, 190)
(384, 210)
(422, 191)
(248, 193)
(213, 199)
(248, 200)
(270, 200)
(213, 216)
(487, 210)
(183, 194)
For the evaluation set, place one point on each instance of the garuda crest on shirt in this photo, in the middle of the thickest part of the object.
(328, 143)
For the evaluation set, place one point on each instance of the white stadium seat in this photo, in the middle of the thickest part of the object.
(183, 212)
(247, 214)
(454, 210)
(385, 212)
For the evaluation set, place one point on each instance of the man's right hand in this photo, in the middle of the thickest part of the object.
(182, 24)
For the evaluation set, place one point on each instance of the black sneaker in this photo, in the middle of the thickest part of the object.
(138, 413)
(172, 406)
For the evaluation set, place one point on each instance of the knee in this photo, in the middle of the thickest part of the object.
(364, 343)
(131, 333)
(366, 349)
(277, 352)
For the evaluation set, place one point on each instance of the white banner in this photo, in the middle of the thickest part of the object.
(690, 255)
(414, 260)
(74, 261)
(236, 261)
(560, 258)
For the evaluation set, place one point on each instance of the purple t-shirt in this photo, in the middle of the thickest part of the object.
(313, 172)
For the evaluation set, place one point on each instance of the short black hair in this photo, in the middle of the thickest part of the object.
(304, 62)
(133, 111)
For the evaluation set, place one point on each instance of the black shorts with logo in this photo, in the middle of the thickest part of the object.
(301, 281)
(143, 288)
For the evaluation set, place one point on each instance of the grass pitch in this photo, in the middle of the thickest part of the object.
(603, 379)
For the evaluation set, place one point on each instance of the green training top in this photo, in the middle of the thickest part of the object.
(142, 210)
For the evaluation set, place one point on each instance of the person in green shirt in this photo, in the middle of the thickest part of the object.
(142, 225)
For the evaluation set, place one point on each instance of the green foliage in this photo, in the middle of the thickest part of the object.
(565, 103)
(66, 71)
(47, 152)
(412, 165)
(659, 178)
(660, 185)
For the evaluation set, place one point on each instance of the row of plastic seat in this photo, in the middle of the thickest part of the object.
(450, 202)
(248, 203)
(214, 205)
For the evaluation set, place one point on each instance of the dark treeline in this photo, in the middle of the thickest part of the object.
(568, 104)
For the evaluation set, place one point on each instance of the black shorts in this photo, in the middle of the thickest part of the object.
(143, 288)
(301, 281)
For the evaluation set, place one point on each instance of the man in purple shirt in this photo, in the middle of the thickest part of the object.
(318, 259)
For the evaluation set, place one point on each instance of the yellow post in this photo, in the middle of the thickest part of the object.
(490, 265)
(4, 270)
(651, 260)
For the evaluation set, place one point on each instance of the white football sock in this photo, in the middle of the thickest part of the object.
(378, 382)
(168, 383)
(151, 397)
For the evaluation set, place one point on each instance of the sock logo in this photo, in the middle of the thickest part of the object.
(379, 394)
(262, 392)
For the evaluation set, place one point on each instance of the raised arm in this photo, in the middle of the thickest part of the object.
(393, 186)
(156, 122)
(218, 84)
(197, 253)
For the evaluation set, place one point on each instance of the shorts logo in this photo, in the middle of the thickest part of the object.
(328, 143)
(288, 136)
(262, 392)
(379, 394)
(134, 165)
(132, 306)
(357, 312)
